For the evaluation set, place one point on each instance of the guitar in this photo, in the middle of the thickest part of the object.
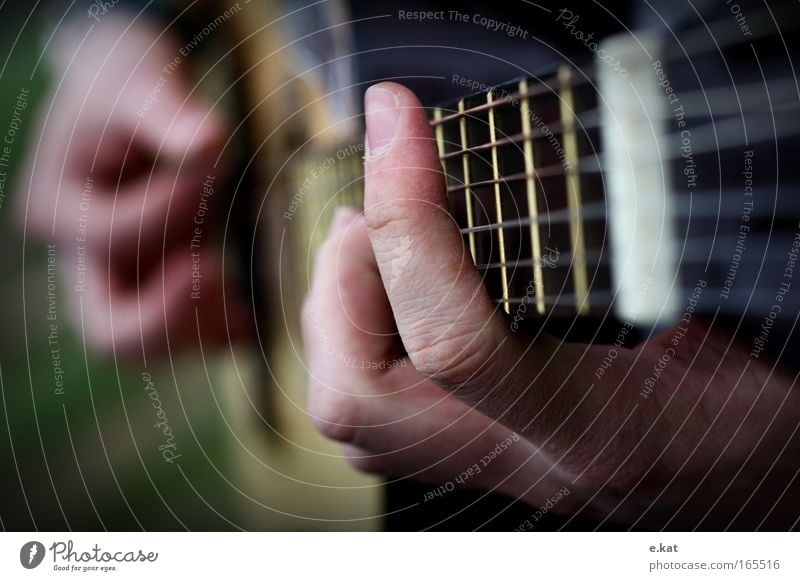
(631, 191)
(646, 197)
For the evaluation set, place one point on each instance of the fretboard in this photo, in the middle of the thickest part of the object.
(521, 163)
(576, 205)
(522, 171)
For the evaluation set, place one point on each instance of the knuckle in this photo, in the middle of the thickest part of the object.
(385, 218)
(334, 430)
(364, 463)
(457, 358)
(333, 414)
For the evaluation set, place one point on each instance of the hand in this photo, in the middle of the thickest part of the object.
(365, 392)
(456, 381)
(117, 182)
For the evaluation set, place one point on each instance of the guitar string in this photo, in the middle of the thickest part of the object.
(712, 137)
(697, 104)
(702, 204)
(595, 259)
(783, 97)
(598, 212)
(604, 299)
(761, 26)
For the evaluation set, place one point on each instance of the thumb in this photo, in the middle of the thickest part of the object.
(448, 324)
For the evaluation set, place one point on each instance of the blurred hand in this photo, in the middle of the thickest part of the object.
(122, 178)
(436, 400)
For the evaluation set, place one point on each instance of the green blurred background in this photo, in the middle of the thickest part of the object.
(87, 459)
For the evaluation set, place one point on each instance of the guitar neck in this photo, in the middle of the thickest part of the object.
(586, 192)
(531, 215)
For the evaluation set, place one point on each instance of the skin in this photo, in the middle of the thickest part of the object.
(147, 173)
(415, 372)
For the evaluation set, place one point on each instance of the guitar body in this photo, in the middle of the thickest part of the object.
(291, 477)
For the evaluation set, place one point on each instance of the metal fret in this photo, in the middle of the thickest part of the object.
(580, 273)
(533, 203)
(541, 172)
(498, 202)
(462, 126)
(438, 130)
